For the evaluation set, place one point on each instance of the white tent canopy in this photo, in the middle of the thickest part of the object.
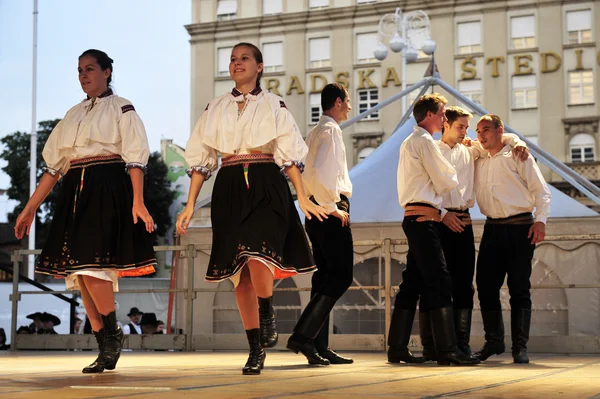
(375, 195)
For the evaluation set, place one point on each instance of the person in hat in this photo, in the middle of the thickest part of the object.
(36, 325)
(3, 345)
(149, 323)
(49, 321)
(135, 317)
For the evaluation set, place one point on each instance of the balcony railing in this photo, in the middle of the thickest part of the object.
(589, 170)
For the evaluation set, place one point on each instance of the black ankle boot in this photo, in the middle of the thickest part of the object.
(429, 352)
(462, 323)
(113, 340)
(310, 323)
(493, 325)
(520, 321)
(98, 365)
(257, 355)
(268, 325)
(444, 336)
(399, 337)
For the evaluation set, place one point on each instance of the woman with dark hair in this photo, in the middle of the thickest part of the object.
(101, 227)
(257, 234)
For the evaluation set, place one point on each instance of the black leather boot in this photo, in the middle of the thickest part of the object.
(429, 352)
(322, 346)
(310, 323)
(399, 337)
(462, 323)
(113, 340)
(444, 336)
(520, 321)
(257, 355)
(493, 324)
(268, 325)
(98, 365)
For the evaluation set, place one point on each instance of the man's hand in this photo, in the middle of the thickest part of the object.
(453, 222)
(343, 216)
(467, 142)
(521, 152)
(537, 232)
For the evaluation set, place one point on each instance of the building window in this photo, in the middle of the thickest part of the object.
(273, 57)
(472, 90)
(582, 148)
(226, 9)
(522, 32)
(315, 108)
(581, 87)
(524, 91)
(318, 3)
(365, 152)
(368, 99)
(272, 7)
(579, 26)
(469, 37)
(319, 52)
(223, 60)
(365, 45)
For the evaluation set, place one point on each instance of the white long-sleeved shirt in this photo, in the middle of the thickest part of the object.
(506, 187)
(266, 126)
(463, 159)
(110, 127)
(326, 171)
(424, 175)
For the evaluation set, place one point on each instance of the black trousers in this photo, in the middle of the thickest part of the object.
(334, 255)
(459, 251)
(333, 251)
(426, 274)
(505, 251)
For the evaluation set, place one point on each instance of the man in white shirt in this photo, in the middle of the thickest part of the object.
(424, 176)
(135, 317)
(327, 183)
(507, 193)
(456, 230)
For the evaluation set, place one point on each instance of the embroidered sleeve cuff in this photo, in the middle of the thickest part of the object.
(201, 169)
(287, 164)
(137, 165)
(52, 172)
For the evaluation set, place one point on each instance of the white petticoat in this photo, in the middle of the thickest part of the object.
(108, 275)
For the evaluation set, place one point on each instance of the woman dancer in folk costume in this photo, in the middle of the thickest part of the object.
(257, 234)
(101, 228)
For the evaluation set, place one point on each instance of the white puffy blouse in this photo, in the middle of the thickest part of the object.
(265, 125)
(109, 127)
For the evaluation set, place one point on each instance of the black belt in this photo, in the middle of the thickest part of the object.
(521, 218)
(342, 205)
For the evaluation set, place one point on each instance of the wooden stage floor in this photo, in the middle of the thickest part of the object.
(146, 375)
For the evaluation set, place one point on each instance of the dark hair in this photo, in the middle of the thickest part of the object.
(257, 56)
(495, 119)
(331, 92)
(453, 113)
(102, 59)
(428, 103)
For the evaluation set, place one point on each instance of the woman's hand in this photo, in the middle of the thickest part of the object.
(23, 223)
(139, 211)
(184, 218)
(311, 209)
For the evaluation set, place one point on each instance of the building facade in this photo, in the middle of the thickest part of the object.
(533, 62)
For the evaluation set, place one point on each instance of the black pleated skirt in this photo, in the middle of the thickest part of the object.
(253, 216)
(92, 228)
